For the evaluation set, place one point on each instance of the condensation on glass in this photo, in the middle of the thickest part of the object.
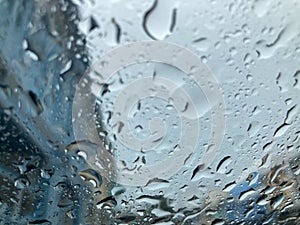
(148, 111)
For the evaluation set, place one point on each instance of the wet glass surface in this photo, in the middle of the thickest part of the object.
(149, 112)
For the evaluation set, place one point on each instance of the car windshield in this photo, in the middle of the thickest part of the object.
(149, 112)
